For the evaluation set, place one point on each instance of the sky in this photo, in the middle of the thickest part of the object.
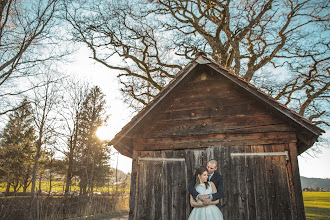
(310, 164)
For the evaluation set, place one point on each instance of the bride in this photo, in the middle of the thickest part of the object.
(207, 210)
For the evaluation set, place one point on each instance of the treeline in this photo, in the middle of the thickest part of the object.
(315, 184)
(317, 189)
(55, 123)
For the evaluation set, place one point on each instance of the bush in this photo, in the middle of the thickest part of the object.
(53, 208)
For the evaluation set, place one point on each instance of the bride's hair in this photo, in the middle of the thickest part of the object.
(200, 171)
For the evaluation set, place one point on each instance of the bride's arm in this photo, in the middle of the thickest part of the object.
(194, 203)
(214, 190)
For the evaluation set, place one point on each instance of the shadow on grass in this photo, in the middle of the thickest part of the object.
(316, 213)
(103, 216)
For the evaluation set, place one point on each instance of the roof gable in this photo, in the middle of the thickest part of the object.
(304, 127)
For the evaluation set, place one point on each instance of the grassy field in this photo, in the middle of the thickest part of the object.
(317, 205)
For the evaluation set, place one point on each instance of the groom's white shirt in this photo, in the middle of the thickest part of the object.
(210, 176)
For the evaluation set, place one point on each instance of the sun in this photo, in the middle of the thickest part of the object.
(105, 133)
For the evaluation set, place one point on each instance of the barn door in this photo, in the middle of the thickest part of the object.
(256, 182)
(160, 186)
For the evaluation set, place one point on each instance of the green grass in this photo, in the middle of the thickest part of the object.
(317, 205)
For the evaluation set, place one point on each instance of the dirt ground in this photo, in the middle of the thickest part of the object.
(123, 217)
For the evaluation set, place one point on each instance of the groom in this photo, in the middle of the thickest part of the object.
(216, 178)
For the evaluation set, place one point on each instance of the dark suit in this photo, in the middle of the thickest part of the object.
(218, 182)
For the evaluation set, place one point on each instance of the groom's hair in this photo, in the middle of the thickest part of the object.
(213, 161)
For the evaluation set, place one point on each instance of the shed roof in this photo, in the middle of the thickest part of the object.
(307, 133)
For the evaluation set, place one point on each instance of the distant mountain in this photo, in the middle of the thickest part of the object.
(314, 182)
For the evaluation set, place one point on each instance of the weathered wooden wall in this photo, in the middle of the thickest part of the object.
(260, 187)
(210, 111)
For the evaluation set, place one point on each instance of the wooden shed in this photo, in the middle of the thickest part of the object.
(206, 113)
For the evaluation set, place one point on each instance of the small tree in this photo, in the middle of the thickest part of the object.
(93, 153)
(17, 148)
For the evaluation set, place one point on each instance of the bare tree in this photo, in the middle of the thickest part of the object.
(28, 37)
(250, 38)
(128, 43)
(45, 101)
(75, 94)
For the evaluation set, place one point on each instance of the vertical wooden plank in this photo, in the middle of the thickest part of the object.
(233, 192)
(133, 192)
(259, 175)
(282, 191)
(186, 182)
(148, 179)
(194, 159)
(189, 159)
(141, 187)
(156, 182)
(270, 181)
(237, 191)
(147, 187)
(286, 187)
(222, 155)
(168, 173)
(180, 199)
(166, 194)
(249, 186)
(291, 186)
(209, 155)
(296, 181)
(276, 184)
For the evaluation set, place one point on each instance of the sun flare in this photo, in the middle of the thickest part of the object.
(104, 133)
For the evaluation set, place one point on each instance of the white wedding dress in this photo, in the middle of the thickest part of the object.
(210, 212)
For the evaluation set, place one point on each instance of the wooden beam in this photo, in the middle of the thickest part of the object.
(285, 153)
(209, 140)
(159, 159)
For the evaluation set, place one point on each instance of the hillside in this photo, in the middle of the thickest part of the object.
(315, 182)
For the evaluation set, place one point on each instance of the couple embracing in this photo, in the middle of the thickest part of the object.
(206, 190)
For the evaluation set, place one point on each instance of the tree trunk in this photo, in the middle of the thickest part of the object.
(8, 188)
(70, 169)
(35, 168)
(73, 145)
(26, 179)
(25, 186)
(90, 180)
(40, 178)
(83, 185)
(50, 181)
(15, 186)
